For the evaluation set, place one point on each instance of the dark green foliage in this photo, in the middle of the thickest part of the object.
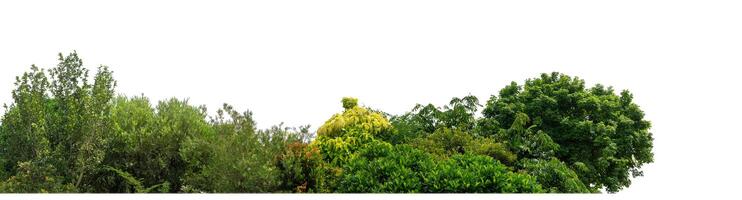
(24, 130)
(137, 183)
(147, 141)
(237, 158)
(36, 177)
(296, 165)
(66, 132)
(525, 141)
(554, 175)
(424, 120)
(595, 128)
(62, 122)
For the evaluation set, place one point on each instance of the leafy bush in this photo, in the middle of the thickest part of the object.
(383, 168)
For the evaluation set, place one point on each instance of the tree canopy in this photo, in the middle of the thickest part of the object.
(68, 131)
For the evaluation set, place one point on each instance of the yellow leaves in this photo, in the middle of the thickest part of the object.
(354, 118)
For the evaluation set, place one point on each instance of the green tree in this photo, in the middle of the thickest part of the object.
(237, 157)
(602, 134)
(24, 131)
(459, 114)
(146, 141)
(359, 162)
(61, 122)
(65, 131)
(177, 122)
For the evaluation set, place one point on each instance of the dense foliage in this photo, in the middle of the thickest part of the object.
(67, 131)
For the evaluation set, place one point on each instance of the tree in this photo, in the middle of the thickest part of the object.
(24, 130)
(61, 122)
(359, 162)
(459, 114)
(602, 134)
(237, 157)
(177, 123)
(527, 142)
(65, 131)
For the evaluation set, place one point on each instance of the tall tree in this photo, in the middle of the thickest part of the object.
(59, 125)
(602, 135)
(24, 131)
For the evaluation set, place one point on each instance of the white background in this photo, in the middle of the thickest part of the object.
(292, 61)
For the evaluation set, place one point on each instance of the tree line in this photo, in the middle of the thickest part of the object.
(67, 131)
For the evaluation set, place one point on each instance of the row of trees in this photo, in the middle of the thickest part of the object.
(65, 133)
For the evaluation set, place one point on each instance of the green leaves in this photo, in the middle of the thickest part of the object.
(590, 126)
(349, 102)
(62, 121)
(554, 175)
(355, 117)
(459, 114)
(66, 132)
(405, 169)
(137, 183)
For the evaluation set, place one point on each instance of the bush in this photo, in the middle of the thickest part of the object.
(386, 169)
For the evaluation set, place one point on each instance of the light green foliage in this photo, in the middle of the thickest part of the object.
(383, 168)
(348, 131)
(445, 142)
(355, 117)
(379, 167)
(476, 173)
(349, 102)
(603, 131)
(492, 148)
(342, 136)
